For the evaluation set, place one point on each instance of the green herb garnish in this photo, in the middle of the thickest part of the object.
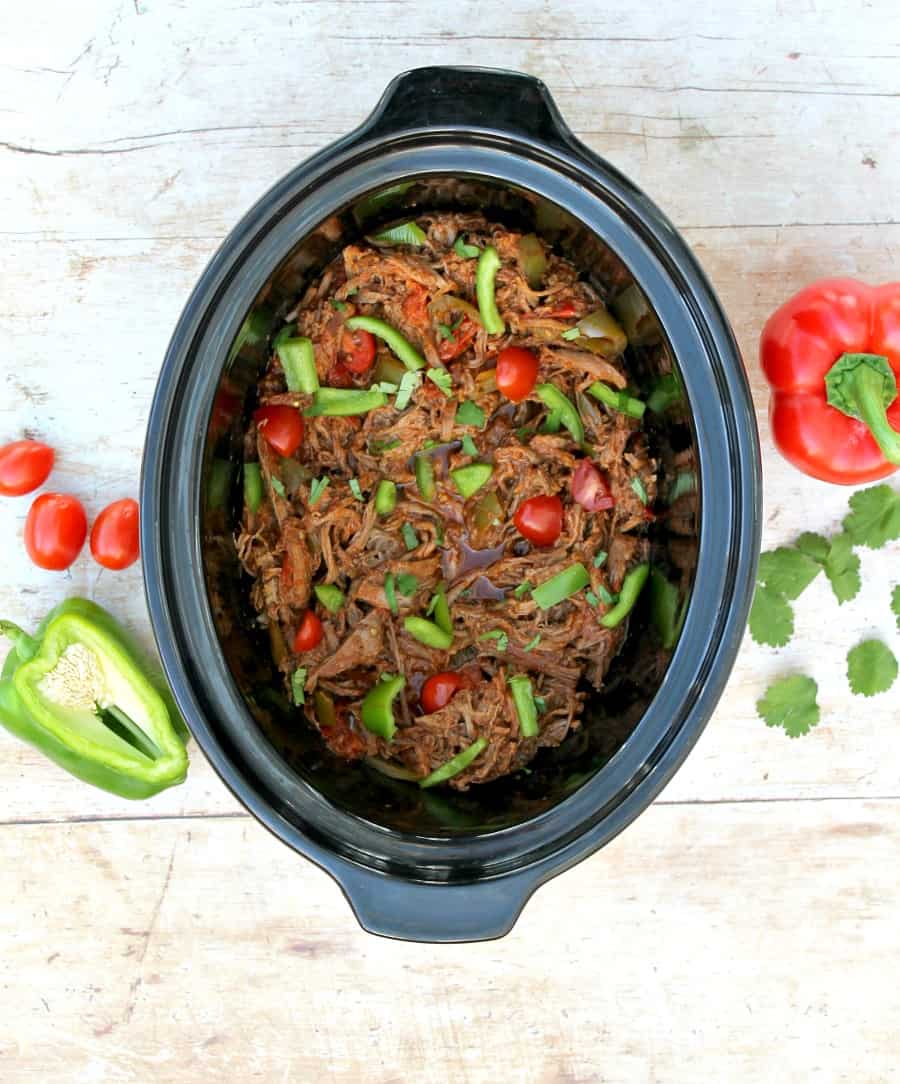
(499, 635)
(377, 447)
(298, 683)
(469, 413)
(409, 536)
(600, 559)
(640, 489)
(871, 668)
(338, 305)
(790, 703)
(390, 594)
(277, 485)
(469, 447)
(572, 333)
(355, 489)
(408, 384)
(407, 583)
(606, 597)
(317, 488)
(464, 251)
(522, 589)
(441, 379)
(533, 643)
(592, 599)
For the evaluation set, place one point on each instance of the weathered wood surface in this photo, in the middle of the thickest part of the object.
(742, 928)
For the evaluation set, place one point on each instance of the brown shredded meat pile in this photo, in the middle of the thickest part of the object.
(293, 542)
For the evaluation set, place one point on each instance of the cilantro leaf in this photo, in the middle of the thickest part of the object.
(441, 379)
(813, 545)
(317, 488)
(446, 332)
(533, 643)
(339, 306)
(790, 703)
(771, 618)
(355, 489)
(277, 485)
(499, 635)
(786, 571)
(640, 489)
(407, 583)
(874, 516)
(469, 447)
(871, 668)
(842, 569)
(390, 594)
(410, 537)
(600, 559)
(522, 589)
(469, 413)
(895, 603)
(408, 384)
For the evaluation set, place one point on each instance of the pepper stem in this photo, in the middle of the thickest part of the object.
(863, 386)
(25, 646)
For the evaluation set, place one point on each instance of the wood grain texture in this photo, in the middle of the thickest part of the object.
(742, 928)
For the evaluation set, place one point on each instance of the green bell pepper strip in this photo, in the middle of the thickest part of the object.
(632, 586)
(425, 477)
(407, 233)
(485, 278)
(80, 692)
(470, 479)
(428, 632)
(526, 709)
(404, 349)
(618, 400)
(559, 587)
(385, 497)
(562, 408)
(342, 402)
(455, 764)
(666, 608)
(299, 363)
(331, 597)
(377, 712)
(253, 491)
(440, 610)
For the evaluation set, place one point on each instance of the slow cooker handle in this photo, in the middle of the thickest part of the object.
(434, 913)
(489, 98)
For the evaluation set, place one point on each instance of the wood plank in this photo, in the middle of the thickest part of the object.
(744, 942)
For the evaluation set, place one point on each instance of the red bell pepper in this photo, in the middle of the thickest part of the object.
(832, 357)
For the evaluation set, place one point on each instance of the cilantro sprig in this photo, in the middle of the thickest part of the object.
(791, 703)
(871, 668)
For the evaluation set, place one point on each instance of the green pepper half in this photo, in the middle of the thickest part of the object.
(79, 691)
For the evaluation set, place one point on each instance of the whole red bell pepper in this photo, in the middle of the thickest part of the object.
(832, 357)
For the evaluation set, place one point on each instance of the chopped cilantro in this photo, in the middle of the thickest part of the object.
(787, 571)
(353, 290)
(390, 594)
(408, 384)
(572, 333)
(790, 703)
(871, 668)
(464, 251)
(600, 559)
(445, 332)
(409, 536)
(771, 618)
(298, 682)
(522, 589)
(499, 635)
(606, 597)
(874, 516)
(407, 583)
(640, 489)
(469, 447)
(355, 490)
(442, 379)
(339, 305)
(533, 643)
(277, 485)
(317, 488)
(469, 413)
(592, 599)
(376, 447)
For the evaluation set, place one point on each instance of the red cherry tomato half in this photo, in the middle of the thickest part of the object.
(55, 530)
(309, 634)
(282, 426)
(114, 537)
(358, 349)
(448, 349)
(539, 519)
(24, 465)
(517, 370)
(439, 689)
(590, 488)
(566, 308)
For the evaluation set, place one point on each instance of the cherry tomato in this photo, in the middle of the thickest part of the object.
(55, 530)
(114, 536)
(282, 426)
(517, 370)
(358, 349)
(566, 308)
(415, 305)
(590, 488)
(539, 519)
(439, 689)
(448, 349)
(24, 465)
(309, 634)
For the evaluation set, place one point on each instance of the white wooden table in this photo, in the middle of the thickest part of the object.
(745, 928)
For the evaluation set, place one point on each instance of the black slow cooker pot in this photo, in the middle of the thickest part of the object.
(425, 865)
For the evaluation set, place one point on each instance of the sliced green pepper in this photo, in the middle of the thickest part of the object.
(428, 632)
(407, 233)
(455, 764)
(253, 491)
(385, 497)
(331, 597)
(561, 586)
(470, 479)
(404, 349)
(324, 705)
(618, 400)
(79, 691)
(485, 278)
(439, 609)
(342, 402)
(377, 712)
(632, 586)
(299, 363)
(526, 709)
(665, 608)
(532, 260)
(425, 477)
(562, 408)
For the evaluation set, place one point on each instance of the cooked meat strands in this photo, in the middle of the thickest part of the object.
(311, 534)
